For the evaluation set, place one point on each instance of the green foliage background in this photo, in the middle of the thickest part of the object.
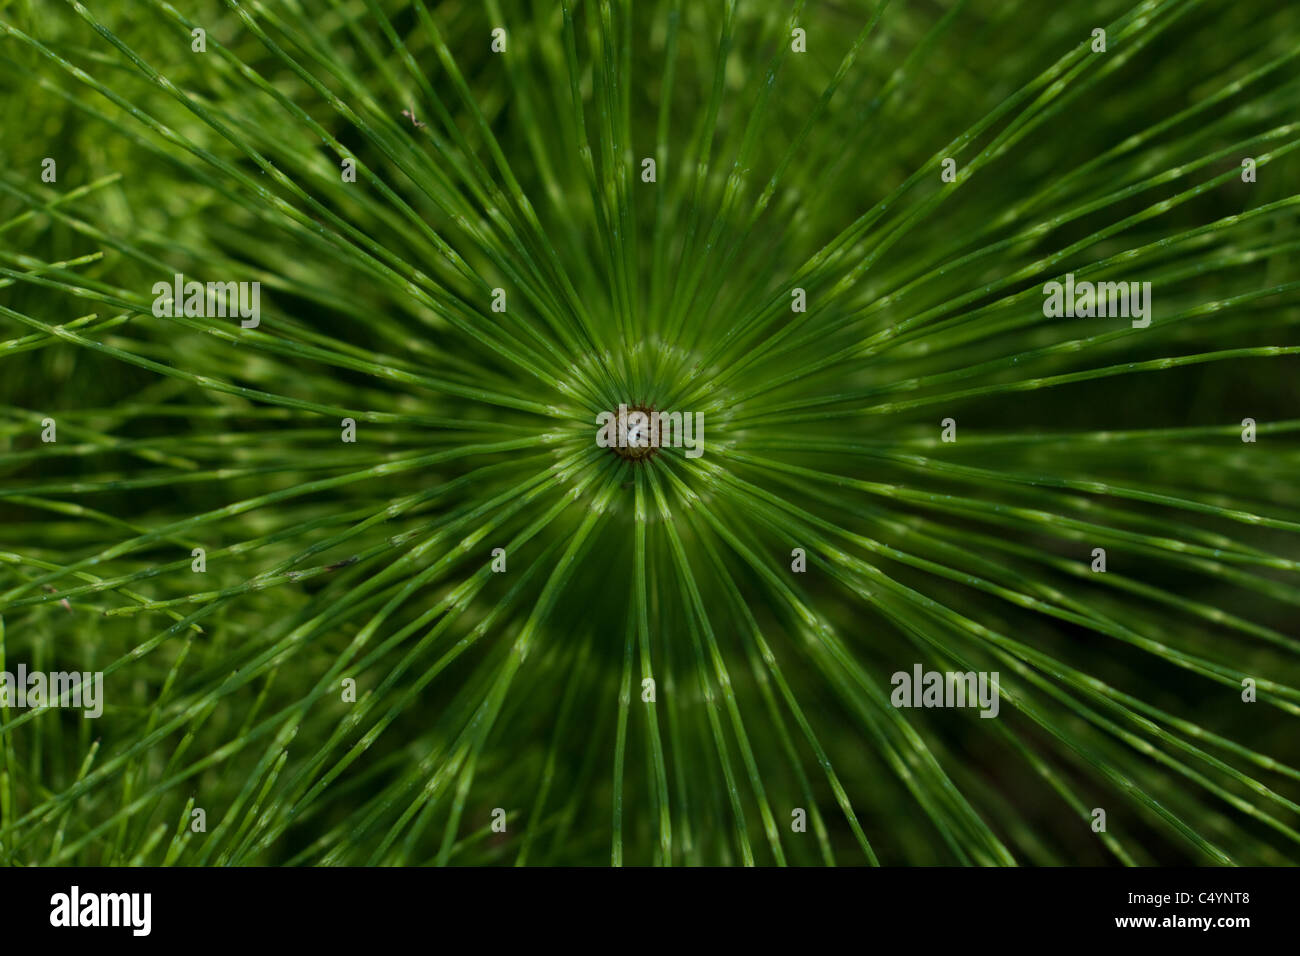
(776, 170)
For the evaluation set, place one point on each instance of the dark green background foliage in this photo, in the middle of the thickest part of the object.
(776, 170)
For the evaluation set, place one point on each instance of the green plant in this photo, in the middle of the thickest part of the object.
(778, 173)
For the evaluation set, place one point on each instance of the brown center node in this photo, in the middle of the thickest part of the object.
(635, 442)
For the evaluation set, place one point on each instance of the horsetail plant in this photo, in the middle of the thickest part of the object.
(649, 432)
